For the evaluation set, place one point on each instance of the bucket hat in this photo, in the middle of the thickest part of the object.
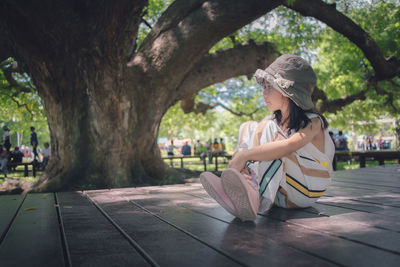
(293, 77)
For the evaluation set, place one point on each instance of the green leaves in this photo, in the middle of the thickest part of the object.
(21, 106)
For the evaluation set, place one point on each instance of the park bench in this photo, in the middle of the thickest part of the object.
(171, 159)
(35, 167)
(363, 156)
(355, 223)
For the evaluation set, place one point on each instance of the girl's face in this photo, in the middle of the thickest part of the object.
(274, 99)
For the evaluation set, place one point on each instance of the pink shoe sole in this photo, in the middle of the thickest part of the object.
(244, 198)
(212, 185)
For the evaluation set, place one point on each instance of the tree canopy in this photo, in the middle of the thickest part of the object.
(342, 69)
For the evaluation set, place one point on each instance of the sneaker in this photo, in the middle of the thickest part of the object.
(212, 184)
(243, 194)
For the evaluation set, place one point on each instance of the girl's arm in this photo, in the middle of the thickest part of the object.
(277, 149)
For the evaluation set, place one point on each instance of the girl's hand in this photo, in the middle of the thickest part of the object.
(238, 162)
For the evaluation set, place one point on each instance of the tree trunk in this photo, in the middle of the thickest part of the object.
(100, 136)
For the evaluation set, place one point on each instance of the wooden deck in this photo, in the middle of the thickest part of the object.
(356, 223)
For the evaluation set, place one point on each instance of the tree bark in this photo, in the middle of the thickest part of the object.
(99, 136)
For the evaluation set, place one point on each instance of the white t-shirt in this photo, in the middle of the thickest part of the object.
(46, 152)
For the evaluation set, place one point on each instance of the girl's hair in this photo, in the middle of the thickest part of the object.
(297, 117)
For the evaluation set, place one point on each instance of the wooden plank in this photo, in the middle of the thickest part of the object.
(166, 244)
(34, 237)
(312, 242)
(92, 239)
(344, 226)
(362, 195)
(371, 219)
(369, 229)
(365, 187)
(378, 185)
(9, 205)
(360, 206)
(335, 248)
(375, 176)
(376, 231)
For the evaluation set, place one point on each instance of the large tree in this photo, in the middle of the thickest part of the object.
(105, 93)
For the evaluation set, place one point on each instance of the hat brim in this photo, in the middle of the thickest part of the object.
(261, 76)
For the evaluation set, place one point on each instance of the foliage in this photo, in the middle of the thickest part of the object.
(21, 110)
(340, 65)
(343, 70)
(176, 124)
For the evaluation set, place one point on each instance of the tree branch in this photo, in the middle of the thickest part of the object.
(384, 68)
(390, 95)
(176, 43)
(224, 64)
(22, 105)
(190, 105)
(13, 83)
(250, 114)
(335, 105)
(394, 83)
(146, 23)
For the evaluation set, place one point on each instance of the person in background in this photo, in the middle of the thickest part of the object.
(370, 143)
(6, 139)
(170, 149)
(34, 144)
(209, 151)
(201, 151)
(46, 155)
(216, 147)
(186, 149)
(380, 143)
(3, 160)
(16, 156)
(196, 148)
(223, 147)
(341, 142)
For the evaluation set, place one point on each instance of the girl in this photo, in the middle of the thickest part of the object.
(286, 159)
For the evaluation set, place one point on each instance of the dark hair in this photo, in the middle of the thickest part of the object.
(297, 117)
(32, 128)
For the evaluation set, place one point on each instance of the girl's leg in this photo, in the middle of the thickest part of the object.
(212, 183)
(243, 188)
(269, 174)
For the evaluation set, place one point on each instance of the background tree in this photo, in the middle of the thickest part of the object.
(20, 105)
(106, 82)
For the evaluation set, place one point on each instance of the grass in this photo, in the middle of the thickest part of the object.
(341, 165)
(19, 175)
(195, 164)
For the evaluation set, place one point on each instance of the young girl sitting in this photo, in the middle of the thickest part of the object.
(286, 159)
